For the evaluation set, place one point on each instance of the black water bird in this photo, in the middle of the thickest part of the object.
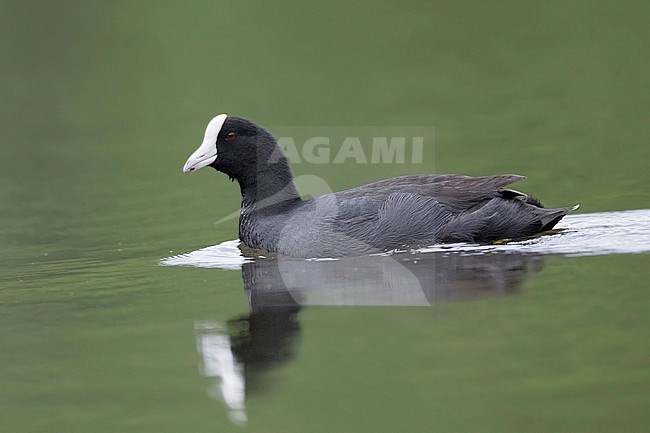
(423, 209)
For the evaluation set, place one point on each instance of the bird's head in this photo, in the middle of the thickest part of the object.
(236, 147)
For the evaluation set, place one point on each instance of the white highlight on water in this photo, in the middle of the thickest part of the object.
(213, 343)
(625, 232)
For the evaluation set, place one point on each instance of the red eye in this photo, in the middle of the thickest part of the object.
(231, 136)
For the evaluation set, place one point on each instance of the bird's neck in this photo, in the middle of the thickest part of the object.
(269, 188)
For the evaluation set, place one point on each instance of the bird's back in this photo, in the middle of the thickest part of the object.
(409, 210)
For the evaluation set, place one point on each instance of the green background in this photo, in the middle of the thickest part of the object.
(102, 102)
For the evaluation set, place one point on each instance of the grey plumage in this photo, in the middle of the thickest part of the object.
(392, 213)
(402, 211)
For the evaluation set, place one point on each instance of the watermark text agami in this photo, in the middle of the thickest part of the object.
(361, 145)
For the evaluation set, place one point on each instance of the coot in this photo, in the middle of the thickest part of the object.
(403, 211)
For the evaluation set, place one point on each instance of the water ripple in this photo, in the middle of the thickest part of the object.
(625, 232)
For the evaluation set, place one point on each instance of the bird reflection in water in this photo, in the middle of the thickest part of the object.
(239, 351)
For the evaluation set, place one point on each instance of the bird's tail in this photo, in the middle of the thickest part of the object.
(550, 217)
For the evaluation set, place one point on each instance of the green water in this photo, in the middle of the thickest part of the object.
(102, 102)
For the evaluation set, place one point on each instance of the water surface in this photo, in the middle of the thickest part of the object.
(102, 102)
(278, 288)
